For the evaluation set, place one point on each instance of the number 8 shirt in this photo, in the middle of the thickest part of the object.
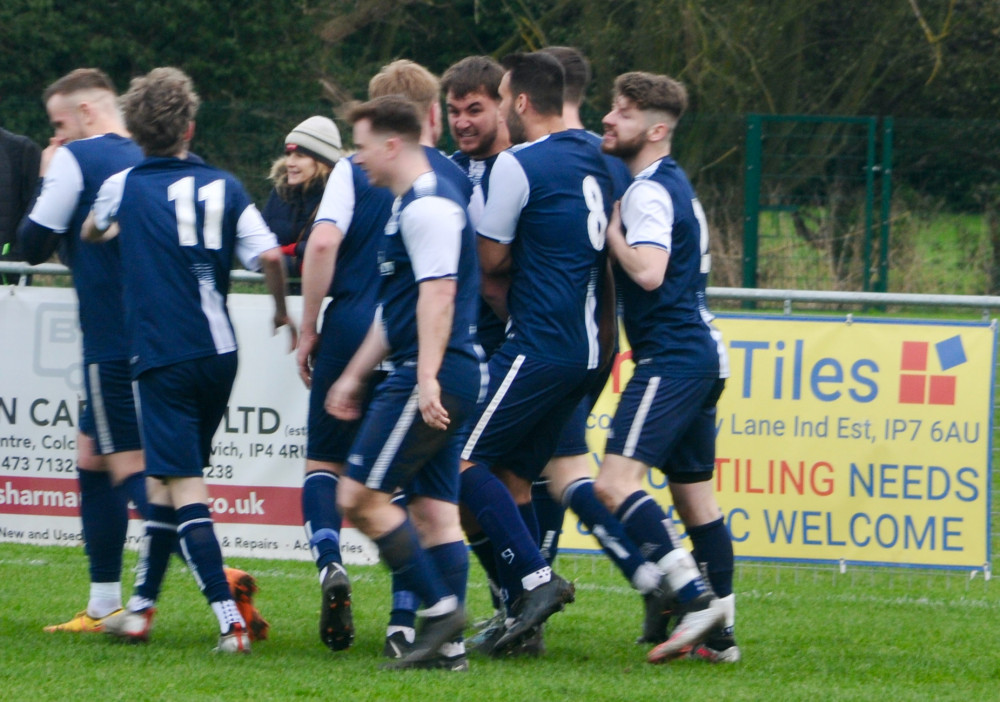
(550, 200)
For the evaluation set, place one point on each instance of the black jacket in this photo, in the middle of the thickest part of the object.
(19, 161)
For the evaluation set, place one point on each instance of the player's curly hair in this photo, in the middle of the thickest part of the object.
(650, 91)
(158, 108)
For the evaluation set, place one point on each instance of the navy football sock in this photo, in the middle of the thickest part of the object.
(404, 603)
(550, 514)
(713, 546)
(401, 551)
(609, 531)
(104, 514)
(321, 518)
(517, 554)
(527, 512)
(134, 488)
(483, 549)
(452, 561)
(647, 525)
(202, 552)
(154, 552)
(404, 599)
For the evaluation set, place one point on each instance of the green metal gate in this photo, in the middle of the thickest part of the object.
(810, 201)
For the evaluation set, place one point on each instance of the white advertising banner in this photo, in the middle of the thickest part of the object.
(258, 454)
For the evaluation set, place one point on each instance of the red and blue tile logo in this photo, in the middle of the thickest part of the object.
(918, 385)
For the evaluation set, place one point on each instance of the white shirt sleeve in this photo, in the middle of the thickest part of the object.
(60, 194)
(477, 203)
(109, 199)
(337, 205)
(253, 238)
(431, 228)
(509, 190)
(648, 215)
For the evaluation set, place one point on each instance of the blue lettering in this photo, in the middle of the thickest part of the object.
(797, 371)
(818, 376)
(807, 527)
(947, 533)
(854, 537)
(894, 530)
(909, 482)
(656, 479)
(910, 530)
(779, 370)
(943, 474)
(829, 532)
(780, 524)
(885, 480)
(867, 382)
(732, 534)
(749, 347)
(856, 475)
(960, 479)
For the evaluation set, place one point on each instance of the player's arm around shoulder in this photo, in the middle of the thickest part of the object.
(101, 224)
(639, 234)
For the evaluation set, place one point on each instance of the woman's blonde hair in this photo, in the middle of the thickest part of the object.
(279, 177)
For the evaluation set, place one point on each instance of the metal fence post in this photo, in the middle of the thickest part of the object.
(886, 212)
(751, 200)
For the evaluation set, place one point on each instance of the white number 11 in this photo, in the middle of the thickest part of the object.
(181, 193)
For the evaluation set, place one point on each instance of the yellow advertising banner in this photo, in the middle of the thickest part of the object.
(854, 440)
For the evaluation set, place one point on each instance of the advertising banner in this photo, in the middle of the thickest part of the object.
(258, 455)
(863, 441)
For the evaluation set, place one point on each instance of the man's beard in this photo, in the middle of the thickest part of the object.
(485, 145)
(627, 149)
(515, 127)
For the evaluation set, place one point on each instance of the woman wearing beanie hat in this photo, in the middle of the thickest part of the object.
(299, 178)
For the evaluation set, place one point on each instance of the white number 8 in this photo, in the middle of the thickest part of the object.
(597, 219)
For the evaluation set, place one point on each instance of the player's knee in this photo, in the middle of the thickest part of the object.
(350, 500)
(608, 493)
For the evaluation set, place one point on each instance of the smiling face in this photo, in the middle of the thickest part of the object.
(625, 129)
(300, 167)
(474, 120)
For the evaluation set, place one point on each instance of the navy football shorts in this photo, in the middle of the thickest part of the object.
(109, 416)
(528, 404)
(395, 449)
(329, 438)
(668, 423)
(573, 438)
(181, 406)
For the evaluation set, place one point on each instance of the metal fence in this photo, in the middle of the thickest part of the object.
(866, 203)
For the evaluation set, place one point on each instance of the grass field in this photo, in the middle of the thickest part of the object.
(806, 634)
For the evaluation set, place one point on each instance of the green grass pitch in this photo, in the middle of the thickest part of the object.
(806, 634)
